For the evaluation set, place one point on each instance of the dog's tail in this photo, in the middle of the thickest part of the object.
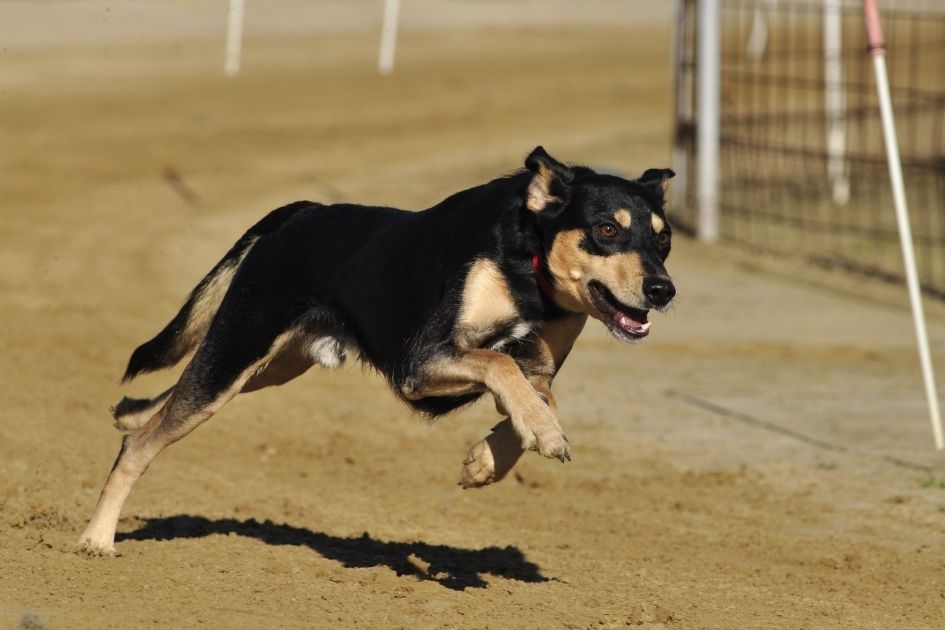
(185, 332)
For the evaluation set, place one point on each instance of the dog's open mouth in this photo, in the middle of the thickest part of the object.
(621, 318)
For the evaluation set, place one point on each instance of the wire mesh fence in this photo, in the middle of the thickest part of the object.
(802, 161)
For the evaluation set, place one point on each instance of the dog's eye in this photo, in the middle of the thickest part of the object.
(607, 230)
(662, 239)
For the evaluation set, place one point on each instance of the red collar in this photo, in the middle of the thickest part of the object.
(543, 282)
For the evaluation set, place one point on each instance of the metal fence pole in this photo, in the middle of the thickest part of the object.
(708, 61)
(835, 102)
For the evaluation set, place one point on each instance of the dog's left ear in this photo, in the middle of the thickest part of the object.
(657, 180)
(549, 189)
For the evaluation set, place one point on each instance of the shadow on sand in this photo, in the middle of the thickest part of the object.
(453, 567)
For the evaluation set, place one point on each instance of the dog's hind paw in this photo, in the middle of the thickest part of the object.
(478, 467)
(99, 550)
(491, 459)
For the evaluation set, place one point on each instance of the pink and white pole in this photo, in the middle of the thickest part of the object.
(877, 49)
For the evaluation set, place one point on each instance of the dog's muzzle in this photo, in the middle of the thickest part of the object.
(659, 291)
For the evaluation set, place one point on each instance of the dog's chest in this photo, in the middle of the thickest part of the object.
(488, 316)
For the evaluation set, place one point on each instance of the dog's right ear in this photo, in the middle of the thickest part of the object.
(657, 180)
(549, 189)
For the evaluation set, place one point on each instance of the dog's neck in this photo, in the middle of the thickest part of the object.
(543, 283)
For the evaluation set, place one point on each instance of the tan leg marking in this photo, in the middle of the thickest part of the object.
(452, 387)
(291, 361)
(556, 339)
(128, 422)
(139, 448)
(534, 424)
(490, 459)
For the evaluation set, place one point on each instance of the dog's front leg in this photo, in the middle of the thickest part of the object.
(490, 459)
(532, 421)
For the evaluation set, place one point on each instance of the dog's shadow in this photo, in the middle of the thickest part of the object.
(453, 567)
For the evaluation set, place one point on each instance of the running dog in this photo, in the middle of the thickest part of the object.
(484, 292)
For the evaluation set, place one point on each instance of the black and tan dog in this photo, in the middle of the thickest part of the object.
(484, 292)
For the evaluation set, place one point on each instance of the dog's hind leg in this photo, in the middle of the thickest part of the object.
(223, 366)
(491, 459)
(132, 413)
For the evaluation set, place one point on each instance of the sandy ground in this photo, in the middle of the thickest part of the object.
(763, 460)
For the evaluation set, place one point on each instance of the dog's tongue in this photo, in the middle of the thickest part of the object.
(631, 325)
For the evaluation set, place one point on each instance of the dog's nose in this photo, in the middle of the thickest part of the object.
(659, 291)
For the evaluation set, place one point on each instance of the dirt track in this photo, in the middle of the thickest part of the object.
(762, 461)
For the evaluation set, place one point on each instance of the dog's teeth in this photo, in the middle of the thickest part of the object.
(645, 327)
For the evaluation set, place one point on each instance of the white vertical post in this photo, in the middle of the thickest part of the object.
(385, 60)
(708, 61)
(758, 37)
(234, 38)
(835, 103)
(682, 71)
(877, 48)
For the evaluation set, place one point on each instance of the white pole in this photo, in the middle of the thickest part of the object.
(835, 103)
(708, 102)
(758, 37)
(385, 60)
(877, 49)
(234, 38)
(682, 71)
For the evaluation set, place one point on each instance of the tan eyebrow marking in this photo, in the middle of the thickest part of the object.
(658, 223)
(622, 217)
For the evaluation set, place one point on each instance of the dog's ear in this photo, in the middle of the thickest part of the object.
(657, 180)
(549, 189)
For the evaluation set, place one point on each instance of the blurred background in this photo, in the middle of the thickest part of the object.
(763, 460)
(802, 160)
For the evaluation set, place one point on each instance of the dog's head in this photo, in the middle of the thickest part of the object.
(605, 240)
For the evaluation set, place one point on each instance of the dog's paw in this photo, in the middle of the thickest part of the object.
(97, 550)
(491, 459)
(553, 444)
(541, 432)
(478, 467)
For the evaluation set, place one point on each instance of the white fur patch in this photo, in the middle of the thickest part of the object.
(519, 331)
(328, 352)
